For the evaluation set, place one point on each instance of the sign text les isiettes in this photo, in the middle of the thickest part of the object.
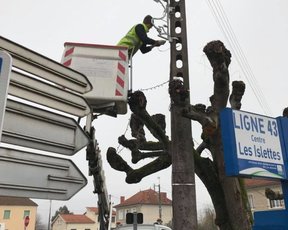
(259, 128)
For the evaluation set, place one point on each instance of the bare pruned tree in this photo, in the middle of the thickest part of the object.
(228, 194)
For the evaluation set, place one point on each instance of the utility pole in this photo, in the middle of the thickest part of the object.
(160, 203)
(49, 216)
(183, 177)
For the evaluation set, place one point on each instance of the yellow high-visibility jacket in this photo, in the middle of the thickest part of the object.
(133, 41)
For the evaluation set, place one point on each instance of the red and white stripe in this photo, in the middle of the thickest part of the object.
(121, 68)
(67, 59)
(121, 71)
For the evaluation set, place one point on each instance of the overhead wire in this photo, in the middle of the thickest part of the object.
(155, 86)
(254, 84)
(226, 28)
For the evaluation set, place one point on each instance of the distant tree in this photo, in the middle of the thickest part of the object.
(61, 210)
(207, 219)
(39, 224)
(169, 224)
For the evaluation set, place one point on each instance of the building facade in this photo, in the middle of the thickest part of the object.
(72, 222)
(93, 214)
(86, 221)
(13, 211)
(154, 206)
(256, 194)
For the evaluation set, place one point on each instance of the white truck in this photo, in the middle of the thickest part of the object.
(143, 227)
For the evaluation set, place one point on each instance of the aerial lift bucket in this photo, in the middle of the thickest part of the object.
(107, 68)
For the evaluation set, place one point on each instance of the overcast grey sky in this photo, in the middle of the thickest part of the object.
(260, 27)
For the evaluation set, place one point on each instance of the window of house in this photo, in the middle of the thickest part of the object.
(121, 215)
(7, 214)
(113, 219)
(251, 201)
(26, 213)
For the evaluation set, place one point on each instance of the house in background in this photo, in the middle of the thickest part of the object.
(93, 213)
(86, 221)
(256, 194)
(73, 221)
(150, 203)
(13, 211)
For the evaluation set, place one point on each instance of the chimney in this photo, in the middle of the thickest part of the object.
(122, 199)
(163, 196)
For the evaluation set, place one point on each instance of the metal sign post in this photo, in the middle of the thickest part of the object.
(5, 70)
(135, 221)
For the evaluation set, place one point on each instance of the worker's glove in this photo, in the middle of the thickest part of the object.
(160, 42)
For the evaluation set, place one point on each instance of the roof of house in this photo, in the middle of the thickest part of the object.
(93, 209)
(16, 201)
(254, 183)
(96, 210)
(148, 196)
(74, 218)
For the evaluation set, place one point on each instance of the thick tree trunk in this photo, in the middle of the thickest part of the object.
(234, 197)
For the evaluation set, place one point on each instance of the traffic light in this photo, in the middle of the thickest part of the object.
(130, 218)
(140, 218)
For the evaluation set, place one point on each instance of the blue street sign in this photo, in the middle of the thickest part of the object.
(283, 121)
(5, 70)
(252, 145)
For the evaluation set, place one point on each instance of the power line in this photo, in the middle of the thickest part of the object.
(256, 89)
(224, 25)
(155, 87)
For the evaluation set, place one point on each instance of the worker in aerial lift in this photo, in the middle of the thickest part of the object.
(137, 38)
